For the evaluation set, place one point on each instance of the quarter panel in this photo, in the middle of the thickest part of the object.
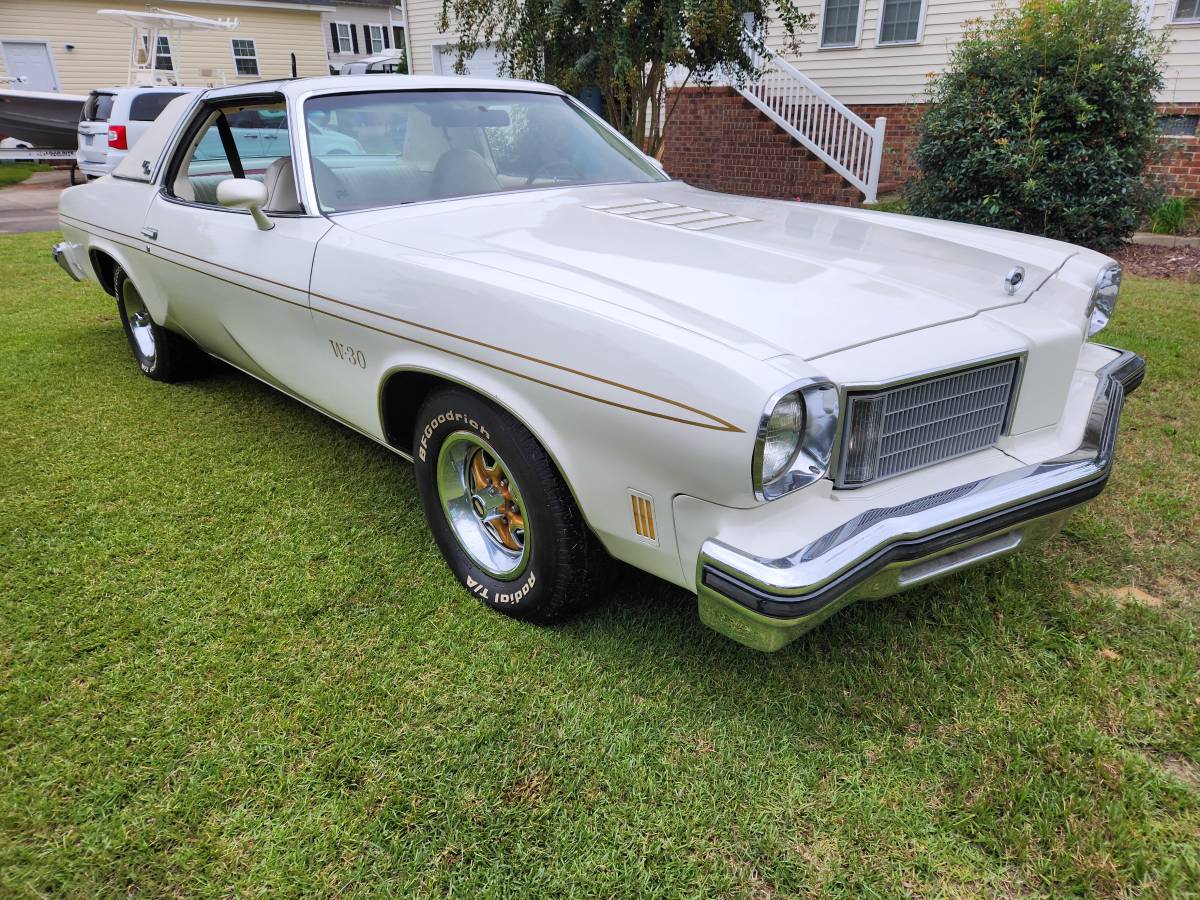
(107, 215)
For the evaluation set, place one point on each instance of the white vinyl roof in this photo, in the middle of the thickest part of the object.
(336, 84)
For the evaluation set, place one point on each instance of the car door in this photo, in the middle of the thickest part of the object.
(238, 291)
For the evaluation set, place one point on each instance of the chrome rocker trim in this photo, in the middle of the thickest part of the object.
(765, 603)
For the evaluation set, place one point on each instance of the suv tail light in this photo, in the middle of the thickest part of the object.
(116, 138)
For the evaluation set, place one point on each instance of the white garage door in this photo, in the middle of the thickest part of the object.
(483, 64)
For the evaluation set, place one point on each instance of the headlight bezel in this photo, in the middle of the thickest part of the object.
(810, 459)
(1103, 302)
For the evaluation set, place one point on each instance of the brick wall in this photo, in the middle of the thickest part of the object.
(1178, 167)
(716, 139)
(899, 141)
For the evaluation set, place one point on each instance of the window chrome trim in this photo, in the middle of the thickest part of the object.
(185, 131)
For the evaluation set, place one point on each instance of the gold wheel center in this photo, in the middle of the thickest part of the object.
(505, 521)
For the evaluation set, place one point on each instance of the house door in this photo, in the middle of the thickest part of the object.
(30, 59)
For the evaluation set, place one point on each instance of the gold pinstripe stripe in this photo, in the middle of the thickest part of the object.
(715, 423)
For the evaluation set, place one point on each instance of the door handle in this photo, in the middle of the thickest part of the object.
(150, 233)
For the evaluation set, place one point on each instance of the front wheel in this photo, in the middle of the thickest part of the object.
(500, 512)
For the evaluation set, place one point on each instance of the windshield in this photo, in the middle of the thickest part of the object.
(391, 147)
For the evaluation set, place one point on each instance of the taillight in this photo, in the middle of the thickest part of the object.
(116, 138)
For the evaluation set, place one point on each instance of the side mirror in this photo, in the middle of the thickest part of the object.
(246, 193)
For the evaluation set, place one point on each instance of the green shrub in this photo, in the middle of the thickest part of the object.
(1043, 123)
(1170, 216)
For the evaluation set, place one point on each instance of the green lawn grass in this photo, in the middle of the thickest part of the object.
(13, 173)
(232, 662)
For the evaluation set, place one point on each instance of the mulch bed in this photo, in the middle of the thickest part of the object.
(1150, 261)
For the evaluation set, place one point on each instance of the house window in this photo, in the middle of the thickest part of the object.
(1178, 126)
(900, 22)
(1187, 11)
(839, 24)
(376, 39)
(343, 42)
(245, 57)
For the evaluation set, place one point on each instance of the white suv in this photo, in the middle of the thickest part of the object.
(113, 119)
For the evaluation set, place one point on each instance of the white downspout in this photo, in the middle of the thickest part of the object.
(408, 56)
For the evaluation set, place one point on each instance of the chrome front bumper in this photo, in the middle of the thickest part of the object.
(63, 258)
(765, 603)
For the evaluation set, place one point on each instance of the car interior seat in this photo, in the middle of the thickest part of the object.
(280, 179)
(461, 173)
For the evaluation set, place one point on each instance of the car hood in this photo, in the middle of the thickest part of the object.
(770, 277)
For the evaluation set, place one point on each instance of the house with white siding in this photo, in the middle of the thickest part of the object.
(355, 29)
(63, 45)
(837, 121)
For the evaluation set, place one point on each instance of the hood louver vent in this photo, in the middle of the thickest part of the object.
(690, 218)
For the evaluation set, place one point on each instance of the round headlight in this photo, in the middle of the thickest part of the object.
(1104, 298)
(784, 431)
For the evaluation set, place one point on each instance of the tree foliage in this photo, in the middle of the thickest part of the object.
(624, 48)
(1043, 123)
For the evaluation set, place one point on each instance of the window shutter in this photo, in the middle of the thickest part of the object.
(386, 45)
(354, 37)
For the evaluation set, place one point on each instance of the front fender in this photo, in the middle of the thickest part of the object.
(622, 403)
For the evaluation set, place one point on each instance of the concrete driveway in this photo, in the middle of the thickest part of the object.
(32, 205)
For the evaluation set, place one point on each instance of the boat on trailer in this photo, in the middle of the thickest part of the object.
(49, 120)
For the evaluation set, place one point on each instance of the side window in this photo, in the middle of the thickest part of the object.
(259, 137)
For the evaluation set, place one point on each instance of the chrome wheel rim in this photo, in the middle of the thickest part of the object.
(483, 505)
(140, 324)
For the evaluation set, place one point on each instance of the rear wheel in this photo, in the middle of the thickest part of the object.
(500, 512)
(161, 354)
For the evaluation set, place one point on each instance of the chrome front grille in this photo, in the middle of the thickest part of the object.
(895, 430)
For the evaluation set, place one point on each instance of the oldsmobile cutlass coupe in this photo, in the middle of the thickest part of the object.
(780, 407)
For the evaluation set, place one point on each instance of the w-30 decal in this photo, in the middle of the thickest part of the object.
(348, 354)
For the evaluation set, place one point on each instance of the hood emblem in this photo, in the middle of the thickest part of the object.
(1013, 279)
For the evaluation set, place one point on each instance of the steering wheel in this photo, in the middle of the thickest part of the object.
(553, 164)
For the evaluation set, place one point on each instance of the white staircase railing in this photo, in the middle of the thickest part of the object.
(829, 129)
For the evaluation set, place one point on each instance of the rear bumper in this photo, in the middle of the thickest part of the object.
(765, 603)
(62, 256)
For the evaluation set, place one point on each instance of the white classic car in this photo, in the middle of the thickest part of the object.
(780, 407)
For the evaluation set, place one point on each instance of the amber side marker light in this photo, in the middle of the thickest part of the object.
(643, 516)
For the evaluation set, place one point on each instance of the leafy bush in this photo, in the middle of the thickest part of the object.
(1170, 216)
(1043, 123)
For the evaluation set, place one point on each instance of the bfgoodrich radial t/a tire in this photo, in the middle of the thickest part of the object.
(161, 354)
(500, 512)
